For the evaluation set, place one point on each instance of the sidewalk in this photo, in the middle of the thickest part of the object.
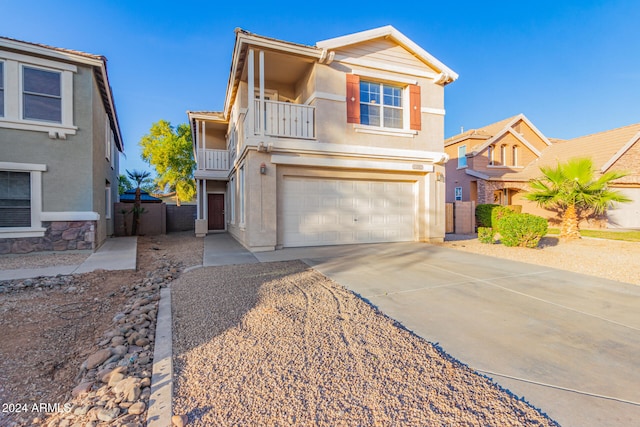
(117, 253)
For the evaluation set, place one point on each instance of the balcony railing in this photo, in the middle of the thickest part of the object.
(284, 119)
(214, 160)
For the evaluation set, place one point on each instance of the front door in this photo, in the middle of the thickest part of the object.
(216, 211)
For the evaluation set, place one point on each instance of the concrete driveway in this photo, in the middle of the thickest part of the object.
(567, 343)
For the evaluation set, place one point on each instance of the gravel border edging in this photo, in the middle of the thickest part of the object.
(159, 412)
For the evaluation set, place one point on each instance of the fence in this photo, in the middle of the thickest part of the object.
(461, 217)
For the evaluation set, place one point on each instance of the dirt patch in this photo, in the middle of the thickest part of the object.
(280, 344)
(50, 327)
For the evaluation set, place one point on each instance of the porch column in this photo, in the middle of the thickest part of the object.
(261, 110)
(250, 92)
(198, 201)
(205, 200)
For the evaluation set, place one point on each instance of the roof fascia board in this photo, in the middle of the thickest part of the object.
(524, 141)
(535, 129)
(466, 137)
(476, 174)
(386, 67)
(635, 138)
(397, 36)
(283, 46)
(52, 53)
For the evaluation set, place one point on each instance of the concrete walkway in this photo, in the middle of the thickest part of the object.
(222, 249)
(568, 343)
(118, 253)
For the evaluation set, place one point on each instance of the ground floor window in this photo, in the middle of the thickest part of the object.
(15, 199)
(458, 193)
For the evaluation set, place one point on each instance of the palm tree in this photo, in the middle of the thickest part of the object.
(574, 189)
(138, 177)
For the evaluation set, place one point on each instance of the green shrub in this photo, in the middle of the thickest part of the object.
(486, 235)
(497, 214)
(483, 215)
(520, 229)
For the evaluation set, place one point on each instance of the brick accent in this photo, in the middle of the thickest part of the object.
(60, 236)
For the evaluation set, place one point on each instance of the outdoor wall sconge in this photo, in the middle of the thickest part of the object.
(439, 177)
(263, 169)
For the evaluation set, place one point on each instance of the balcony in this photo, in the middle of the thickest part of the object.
(285, 120)
(213, 160)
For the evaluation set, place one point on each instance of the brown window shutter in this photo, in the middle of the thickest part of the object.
(415, 115)
(353, 98)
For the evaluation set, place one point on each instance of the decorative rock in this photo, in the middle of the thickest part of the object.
(82, 388)
(108, 414)
(141, 342)
(129, 388)
(117, 340)
(137, 408)
(179, 420)
(120, 350)
(97, 358)
(115, 379)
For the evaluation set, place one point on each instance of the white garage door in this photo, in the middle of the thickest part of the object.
(626, 215)
(333, 212)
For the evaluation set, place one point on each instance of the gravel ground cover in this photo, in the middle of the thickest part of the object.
(41, 260)
(609, 259)
(279, 344)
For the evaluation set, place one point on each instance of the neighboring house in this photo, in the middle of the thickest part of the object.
(337, 143)
(59, 145)
(494, 164)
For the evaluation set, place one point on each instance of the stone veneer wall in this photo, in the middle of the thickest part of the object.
(60, 236)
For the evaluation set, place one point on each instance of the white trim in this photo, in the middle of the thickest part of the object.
(635, 138)
(47, 63)
(329, 149)
(405, 133)
(52, 53)
(325, 95)
(11, 166)
(476, 174)
(508, 128)
(393, 78)
(70, 216)
(59, 130)
(351, 164)
(429, 110)
(385, 66)
(21, 232)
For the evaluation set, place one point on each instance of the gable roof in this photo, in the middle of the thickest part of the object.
(97, 62)
(447, 75)
(604, 148)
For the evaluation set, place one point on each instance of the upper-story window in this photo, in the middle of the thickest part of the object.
(462, 156)
(41, 95)
(503, 154)
(36, 94)
(514, 156)
(1, 88)
(490, 155)
(381, 105)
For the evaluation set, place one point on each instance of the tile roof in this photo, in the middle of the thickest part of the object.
(600, 147)
(59, 49)
(482, 133)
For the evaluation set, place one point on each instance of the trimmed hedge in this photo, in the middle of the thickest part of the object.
(486, 235)
(483, 215)
(521, 229)
(497, 214)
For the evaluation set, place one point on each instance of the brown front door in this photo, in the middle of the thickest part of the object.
(216, 211)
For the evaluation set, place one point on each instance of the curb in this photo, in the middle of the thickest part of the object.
(159, 412)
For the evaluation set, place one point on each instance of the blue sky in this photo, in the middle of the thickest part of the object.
(572, 67)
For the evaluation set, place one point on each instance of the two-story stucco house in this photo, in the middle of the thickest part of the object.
(495, 163)
(337, 143)
(59, 147)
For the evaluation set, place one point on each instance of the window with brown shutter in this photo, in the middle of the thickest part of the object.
(415, 114)
(353, 98)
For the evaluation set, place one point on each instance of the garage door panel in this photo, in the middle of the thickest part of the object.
(331, 211)
(626, 215)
